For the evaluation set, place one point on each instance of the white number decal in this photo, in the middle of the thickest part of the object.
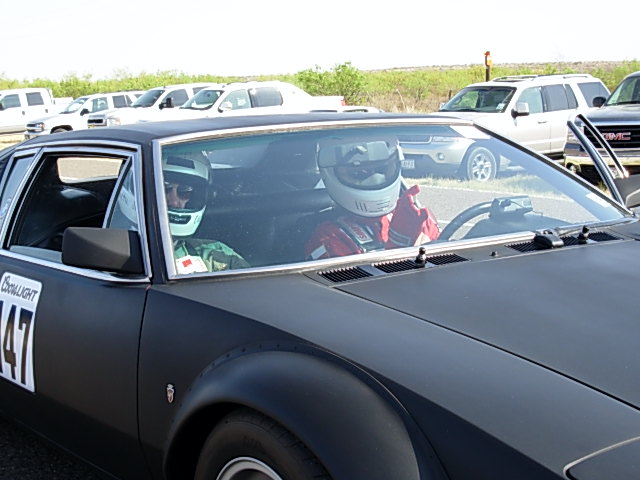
(18, 305)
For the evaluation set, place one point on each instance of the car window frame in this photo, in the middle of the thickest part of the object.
(10, 207)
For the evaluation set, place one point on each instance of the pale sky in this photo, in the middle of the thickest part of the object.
(53, 38)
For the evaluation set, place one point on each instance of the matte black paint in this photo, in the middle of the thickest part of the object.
(428, 366)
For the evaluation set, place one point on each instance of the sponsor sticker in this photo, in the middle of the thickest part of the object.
(19, 298)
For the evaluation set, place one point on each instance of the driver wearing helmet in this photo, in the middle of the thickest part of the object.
(186, 183)
(364, 180)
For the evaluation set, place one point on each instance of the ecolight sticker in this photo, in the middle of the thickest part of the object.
(19, 298)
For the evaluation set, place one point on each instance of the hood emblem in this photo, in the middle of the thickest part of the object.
(171, 392)
(620, 136)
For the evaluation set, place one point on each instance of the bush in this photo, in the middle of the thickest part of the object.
(420, 90)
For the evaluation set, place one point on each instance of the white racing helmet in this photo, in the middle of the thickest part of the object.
(363, 178)
(192, 180)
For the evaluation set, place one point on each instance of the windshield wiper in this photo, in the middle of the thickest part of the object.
(582, 230)
(627, 102)
(460, 110)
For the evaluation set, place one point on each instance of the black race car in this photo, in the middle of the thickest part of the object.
(265, 297)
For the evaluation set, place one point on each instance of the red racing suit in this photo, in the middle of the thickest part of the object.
(407, 225)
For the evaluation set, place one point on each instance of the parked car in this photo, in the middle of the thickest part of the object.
(493, 351)
(530, 109)
(74, 116)
(20, 105)
(255, 98)
(618, 120)
(154, 104)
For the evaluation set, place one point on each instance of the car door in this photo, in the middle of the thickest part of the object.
(560, 102)
(69, 335)
(12, 113)
(532, 130)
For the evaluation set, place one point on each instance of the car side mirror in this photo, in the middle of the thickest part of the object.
(598, 101)
(521, 110)
(84, 111)
(167, 103)
(225, 106)
(629, 188)
(107, 249)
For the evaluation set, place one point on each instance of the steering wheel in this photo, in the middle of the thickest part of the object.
(502, 208)
(463, 217)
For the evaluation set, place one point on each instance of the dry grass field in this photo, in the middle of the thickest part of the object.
(8, 140)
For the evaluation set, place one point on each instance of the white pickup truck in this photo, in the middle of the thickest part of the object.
(153, 104)
(240, 98)
(74, 117)
(18, 106)
(253, 98)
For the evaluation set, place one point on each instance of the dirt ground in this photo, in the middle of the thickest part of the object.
(8, 140)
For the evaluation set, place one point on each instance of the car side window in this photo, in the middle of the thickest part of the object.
(34, 98)
(124, 212)
(99, 104)
(266, 97)
(10, 101)
(571, 97)
(555, 97)
(239, 99)
(178, 97)
(14, 177)
(66, 190)
(121, 101)
(532, 96)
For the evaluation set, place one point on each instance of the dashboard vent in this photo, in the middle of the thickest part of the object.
(602, 237)
(393, 267)
(445, 259)
(345, 274)
(523, 246)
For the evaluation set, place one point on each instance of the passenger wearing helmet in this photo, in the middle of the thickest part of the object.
(186, 183)
(364, 180)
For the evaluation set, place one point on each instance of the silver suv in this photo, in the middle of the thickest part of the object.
(530, 109)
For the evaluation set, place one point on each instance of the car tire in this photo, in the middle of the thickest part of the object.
(247, 444)
(479, 164)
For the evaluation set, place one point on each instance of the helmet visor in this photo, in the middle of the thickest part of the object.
(188, 191)
(365, 166)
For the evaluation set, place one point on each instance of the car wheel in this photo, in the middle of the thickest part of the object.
(247, 444)
(480, 164)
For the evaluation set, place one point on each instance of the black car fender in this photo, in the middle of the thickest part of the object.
(346, 421)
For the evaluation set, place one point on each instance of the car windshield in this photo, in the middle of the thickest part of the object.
(75, 105)
(480, 99)
(148, 99)
(628, 92)
(283, 197)
(203, 100)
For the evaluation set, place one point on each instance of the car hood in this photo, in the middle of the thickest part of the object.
(49, 118)
(541, 345)
(573, 310)
(615, 114)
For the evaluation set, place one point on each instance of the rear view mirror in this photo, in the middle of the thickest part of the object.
(521, 110)
(225, 106)
(167, 103)
(106, 249)
(598, 101)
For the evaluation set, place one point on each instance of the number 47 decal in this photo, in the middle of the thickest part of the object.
(18, 305)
